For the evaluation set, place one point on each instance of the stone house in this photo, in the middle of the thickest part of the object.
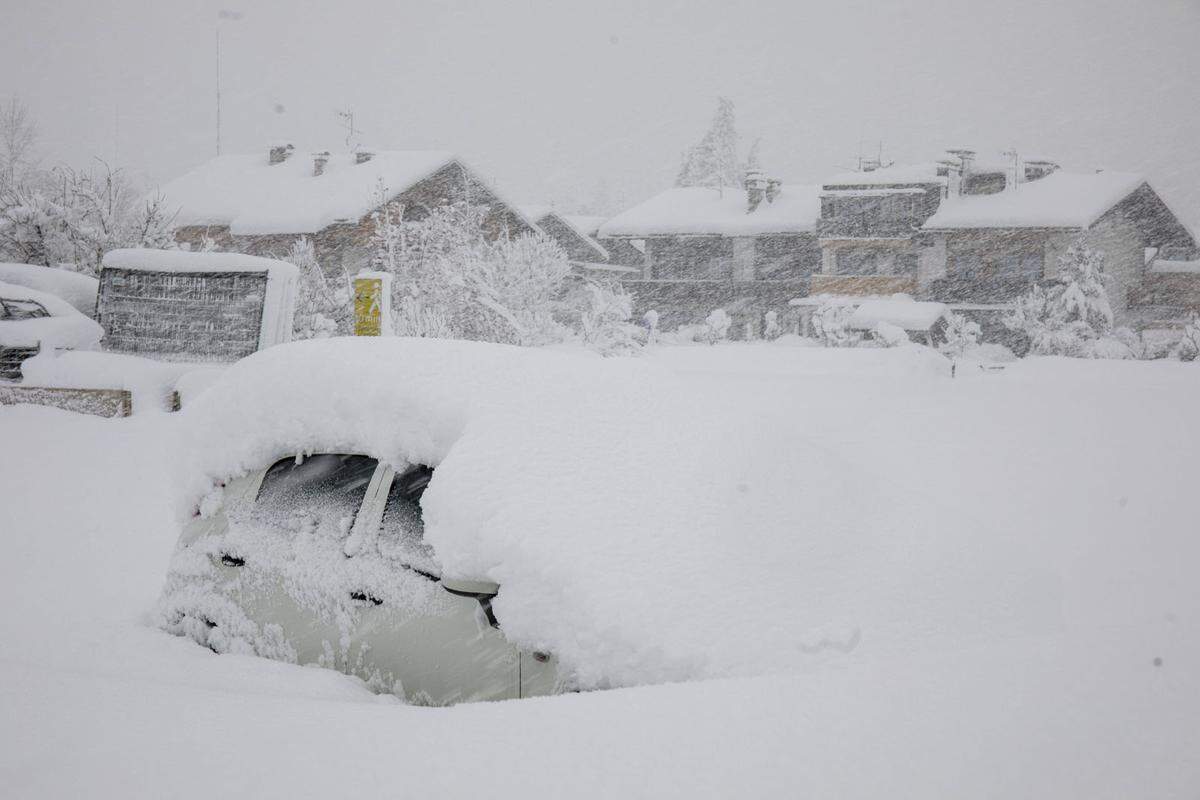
(747, 250)
(261, 203)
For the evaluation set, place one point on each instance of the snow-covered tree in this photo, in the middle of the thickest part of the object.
(322, 305)
(771, 327)
(452, 280)
(714, 161)
(1188, 348)
(716, 326)
(829, 324)
(1067, 317)
(18, 139)
(961, 335)
(604, 320)
(71, 218)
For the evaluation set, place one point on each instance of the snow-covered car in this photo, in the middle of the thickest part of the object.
(76, 288)
(320, 559)
(33, 322)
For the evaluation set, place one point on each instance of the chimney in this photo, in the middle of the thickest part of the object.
(362, 155)
(280, 153)
(774, 187)
(319, 161)
(756, 186)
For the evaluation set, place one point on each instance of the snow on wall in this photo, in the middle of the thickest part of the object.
(640, 532)
(1059, 200)
(718, 212)
(76, 288)
(255, 197)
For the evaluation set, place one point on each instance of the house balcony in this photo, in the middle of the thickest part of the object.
(863, 284)
(977, 290)
(860, 228)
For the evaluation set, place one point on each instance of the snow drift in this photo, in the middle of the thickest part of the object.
(639, 531)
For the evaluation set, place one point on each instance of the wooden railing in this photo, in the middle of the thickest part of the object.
(863, 284)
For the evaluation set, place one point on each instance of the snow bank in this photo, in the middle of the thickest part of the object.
(638, 530)
(65, 328)
(718, 212)
(150, 382)
(1059, 200)
(905, 313)
(77, 289)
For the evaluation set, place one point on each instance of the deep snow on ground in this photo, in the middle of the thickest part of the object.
(1087, 468)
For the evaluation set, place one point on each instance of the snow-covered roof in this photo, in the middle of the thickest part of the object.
(1059, 200)
(1161, 265)
(76, 288)
(537, 213)
(899, 310)
(717, 212)
(185, 261)
(253, 196)
(587, 223)
(901, 174)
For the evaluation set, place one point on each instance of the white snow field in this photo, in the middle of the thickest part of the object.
(865, 578)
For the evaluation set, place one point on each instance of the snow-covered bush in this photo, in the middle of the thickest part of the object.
(1068, 317)
(322, 305)
(716, 326)
(604, 321)
(889, 335)
(771, 327)
(829, 325)
(962, 334)
(1188, 348)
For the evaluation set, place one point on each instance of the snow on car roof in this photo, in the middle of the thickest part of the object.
(186, 261)
(700, 210)
(1059, 200)
(66, 327)
(901, 311)
(76, 288)
(54, 305)
(253, 196)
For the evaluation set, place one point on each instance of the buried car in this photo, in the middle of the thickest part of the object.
(321, 559)
(33, 322)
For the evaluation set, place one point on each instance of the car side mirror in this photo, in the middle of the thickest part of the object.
(469, 588)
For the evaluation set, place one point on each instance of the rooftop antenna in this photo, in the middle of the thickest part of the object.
(347, 118)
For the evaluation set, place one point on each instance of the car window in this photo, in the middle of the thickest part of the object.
(324, 490)
(403, 530)
(21, 309)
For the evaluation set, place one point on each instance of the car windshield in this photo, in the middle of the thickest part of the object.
(403, 533)
(21, 309)
(321, 492)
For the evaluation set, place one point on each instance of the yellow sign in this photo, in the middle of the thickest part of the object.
(368, 306)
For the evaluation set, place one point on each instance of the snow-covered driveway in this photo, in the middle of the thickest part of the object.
(1088, 467)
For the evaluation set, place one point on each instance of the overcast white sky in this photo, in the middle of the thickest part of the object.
(551, 98)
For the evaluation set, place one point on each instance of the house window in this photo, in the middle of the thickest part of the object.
(968, 266)
(857, 261)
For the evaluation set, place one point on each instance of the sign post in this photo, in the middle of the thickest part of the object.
(373, 304)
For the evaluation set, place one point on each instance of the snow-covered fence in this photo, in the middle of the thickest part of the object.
(98, 402)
